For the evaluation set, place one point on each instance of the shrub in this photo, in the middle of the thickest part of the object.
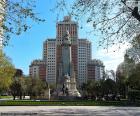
(133, 95)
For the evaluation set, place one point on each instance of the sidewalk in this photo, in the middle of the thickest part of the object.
(68, 110)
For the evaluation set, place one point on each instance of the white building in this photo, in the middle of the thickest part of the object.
(84, 55)
(49, 56)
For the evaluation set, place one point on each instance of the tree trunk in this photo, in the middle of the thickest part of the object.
(20, 96)
(14, 97)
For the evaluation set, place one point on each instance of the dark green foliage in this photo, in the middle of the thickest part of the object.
(16, 89)
(133, 95)
(125, 75)
(36, 88)
(109, 87)
(98, 89)
(26, 86)
(134, 78)
(68, 103)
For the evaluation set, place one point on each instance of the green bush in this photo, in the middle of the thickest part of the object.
(133, 95)
(63, 103)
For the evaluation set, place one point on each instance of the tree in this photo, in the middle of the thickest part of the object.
(14, 16)
(16, 89)
(109, 87)
(134, 78)
(36, 87)
(123, 72)
(121, 80)
(129, 64)
(89, 89)
(7, 71)
(99, 89)
(134, 51)
(117, 21)
(134, 84)
(18, 86)
(22, 86)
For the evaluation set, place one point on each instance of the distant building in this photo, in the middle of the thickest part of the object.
(37, 69)
(84, 56)
(95, 70)
(49, 56)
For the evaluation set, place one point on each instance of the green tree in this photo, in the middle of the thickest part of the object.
(18, 86)
(7, 71)
(123, 72)
(22, 86)
(88, 89)
(134, 84)
(121, 82)
(109, 87)
(36, 87)
(93, 89)
(16, 89)
(134, 78)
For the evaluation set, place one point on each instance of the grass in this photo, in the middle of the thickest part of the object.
(66, 103)
(5, 97)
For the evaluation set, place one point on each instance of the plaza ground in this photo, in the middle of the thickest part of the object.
(68, 111)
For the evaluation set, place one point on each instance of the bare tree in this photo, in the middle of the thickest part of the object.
(134, 51)
(15, 16)
(116, 21)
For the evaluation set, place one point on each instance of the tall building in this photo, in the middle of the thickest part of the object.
(95, 70)
(37, 69)
(84, 67)
(72, 27)
(49, 56)
(84, 56)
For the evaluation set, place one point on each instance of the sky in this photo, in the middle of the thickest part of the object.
(25, 48)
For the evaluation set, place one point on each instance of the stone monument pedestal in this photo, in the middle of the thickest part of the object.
(69, 90)
(66, 82)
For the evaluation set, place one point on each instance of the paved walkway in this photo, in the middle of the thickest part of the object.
(68, 111)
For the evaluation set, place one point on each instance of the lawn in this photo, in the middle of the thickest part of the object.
(67, 103)
(5, 97)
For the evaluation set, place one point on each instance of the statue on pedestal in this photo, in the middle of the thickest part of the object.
(67, 81)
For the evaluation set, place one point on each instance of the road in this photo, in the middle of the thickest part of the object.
(68, 111)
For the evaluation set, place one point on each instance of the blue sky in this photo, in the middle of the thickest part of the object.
(29, 46)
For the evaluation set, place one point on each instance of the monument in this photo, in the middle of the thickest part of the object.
(66, 83)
